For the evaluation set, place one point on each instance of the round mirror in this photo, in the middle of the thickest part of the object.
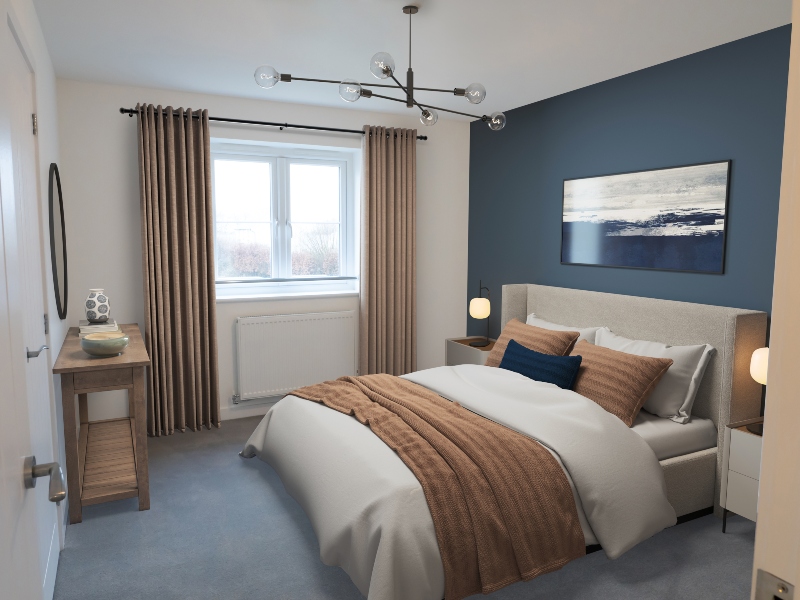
(58, 243)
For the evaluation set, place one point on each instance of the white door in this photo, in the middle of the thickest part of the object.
(777, 548)
(28, 520)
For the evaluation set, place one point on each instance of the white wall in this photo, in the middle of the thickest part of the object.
(99, 174)
(26, 23)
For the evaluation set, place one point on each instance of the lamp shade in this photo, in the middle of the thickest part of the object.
(479, 308)
(758, 365)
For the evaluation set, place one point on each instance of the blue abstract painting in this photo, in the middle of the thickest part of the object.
(672, 219)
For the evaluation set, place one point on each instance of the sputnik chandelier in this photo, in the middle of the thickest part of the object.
(383, 67)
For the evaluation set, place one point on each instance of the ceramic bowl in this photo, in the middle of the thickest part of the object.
(105, 343)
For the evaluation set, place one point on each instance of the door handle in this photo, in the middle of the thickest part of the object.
(34, 353)
(32, 471)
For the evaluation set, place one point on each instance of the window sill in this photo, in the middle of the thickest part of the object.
(286, 289)
(263, 296)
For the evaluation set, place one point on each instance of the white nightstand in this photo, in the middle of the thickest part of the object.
(459, 352)
(741, 468)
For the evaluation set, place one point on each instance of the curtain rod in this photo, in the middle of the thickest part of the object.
(132, 111)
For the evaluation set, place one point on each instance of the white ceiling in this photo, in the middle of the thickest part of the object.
(521, 50)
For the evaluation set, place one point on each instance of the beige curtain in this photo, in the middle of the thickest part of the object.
(178, 265)
(388, 320)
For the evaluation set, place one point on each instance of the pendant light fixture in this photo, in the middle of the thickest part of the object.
(382, 66)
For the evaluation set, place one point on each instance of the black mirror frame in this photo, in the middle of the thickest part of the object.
(62, 308)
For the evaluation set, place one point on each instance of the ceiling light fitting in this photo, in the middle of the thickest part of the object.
(382, 66)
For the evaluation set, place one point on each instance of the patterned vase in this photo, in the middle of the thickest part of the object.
(97, 307)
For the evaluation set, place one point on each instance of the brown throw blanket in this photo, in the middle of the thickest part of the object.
(501, 504)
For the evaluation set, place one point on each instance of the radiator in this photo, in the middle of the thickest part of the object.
(279, 353)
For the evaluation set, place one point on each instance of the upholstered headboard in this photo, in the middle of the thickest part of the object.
(727, 392)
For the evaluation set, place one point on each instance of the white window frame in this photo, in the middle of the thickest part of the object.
(280, 157)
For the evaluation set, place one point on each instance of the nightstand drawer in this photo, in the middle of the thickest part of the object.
(745, 454)
(742, 495)
(88, 381)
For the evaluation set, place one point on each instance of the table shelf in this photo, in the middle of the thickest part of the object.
(109, 468)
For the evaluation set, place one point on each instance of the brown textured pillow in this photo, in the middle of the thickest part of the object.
(617, 381)
(541, 340)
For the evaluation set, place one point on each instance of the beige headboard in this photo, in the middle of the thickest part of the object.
(727, 393)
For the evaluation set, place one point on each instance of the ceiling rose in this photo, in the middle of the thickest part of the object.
(382, 66)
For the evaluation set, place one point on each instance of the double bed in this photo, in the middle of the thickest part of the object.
(370, 513)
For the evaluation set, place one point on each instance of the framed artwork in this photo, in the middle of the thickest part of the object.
(668, 219)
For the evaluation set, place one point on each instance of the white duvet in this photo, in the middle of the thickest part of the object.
(369, 512)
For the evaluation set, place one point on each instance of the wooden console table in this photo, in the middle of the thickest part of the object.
(106, 460)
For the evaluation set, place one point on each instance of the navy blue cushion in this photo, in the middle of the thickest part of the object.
(561, 370)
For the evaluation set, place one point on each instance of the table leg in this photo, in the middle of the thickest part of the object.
(139, 416)
(71, 447)
(83, 408)
(724, 519)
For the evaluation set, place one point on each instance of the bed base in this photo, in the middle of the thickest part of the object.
(690, 481)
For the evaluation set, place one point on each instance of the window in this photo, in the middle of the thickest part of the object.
(284, 220)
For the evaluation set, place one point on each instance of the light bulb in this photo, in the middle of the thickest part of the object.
(475, 93)
(350, 90)
(380, 63)
(428, 117)
(266, 76)
(479, 308)
(497, 121)
(758, 365)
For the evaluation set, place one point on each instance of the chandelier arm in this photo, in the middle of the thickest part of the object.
(482, 118)
(338, 82)
(383, 85)
(387, 98)
(422, 89)
(455, 112)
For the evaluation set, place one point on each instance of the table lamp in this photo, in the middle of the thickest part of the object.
(758, 371)
(479, 308)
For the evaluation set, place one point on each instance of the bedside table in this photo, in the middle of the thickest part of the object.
(459, 352)
(741, 468)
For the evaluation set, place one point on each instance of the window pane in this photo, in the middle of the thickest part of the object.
(315, 249)
(243, 250)
(242, 195)
(314, 193)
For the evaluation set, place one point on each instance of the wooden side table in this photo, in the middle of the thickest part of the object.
(106, 460)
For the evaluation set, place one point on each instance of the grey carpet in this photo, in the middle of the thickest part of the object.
(224, 527)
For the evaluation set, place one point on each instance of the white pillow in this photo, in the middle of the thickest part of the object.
(674, 394)
(587, 333)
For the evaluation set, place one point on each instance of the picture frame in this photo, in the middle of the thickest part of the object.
(667, 219)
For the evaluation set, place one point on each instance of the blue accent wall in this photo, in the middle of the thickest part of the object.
(724, 103)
